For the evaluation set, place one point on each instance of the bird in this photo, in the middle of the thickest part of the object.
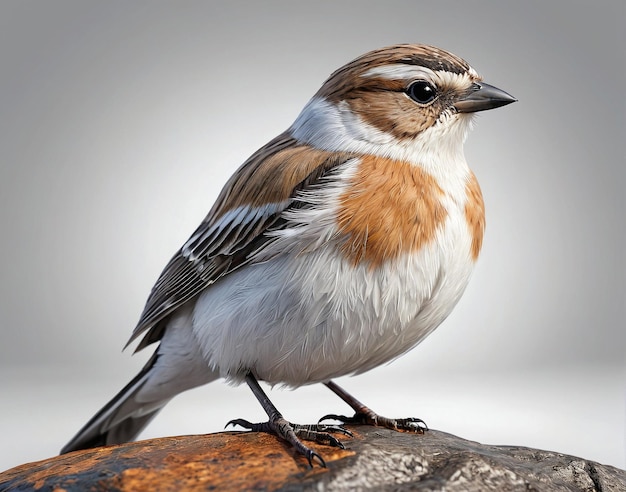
(336, 247)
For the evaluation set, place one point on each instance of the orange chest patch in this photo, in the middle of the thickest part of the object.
(391, 208)
(475, 215)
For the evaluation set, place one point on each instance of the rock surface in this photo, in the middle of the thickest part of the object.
(376, 459)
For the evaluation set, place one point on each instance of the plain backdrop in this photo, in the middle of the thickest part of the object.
(120, 122)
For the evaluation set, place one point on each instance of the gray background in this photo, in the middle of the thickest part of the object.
(120, 122)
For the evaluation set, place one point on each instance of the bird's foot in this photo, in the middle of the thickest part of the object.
(293, 433)
(369, 417)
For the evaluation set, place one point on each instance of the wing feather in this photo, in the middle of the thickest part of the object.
(251, 202)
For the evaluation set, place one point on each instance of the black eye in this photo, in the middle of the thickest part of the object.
(421, 91)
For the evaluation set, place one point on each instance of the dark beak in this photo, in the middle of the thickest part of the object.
(483, 97)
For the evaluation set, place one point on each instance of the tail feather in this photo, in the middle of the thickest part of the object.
(120, 420)
(176, 366)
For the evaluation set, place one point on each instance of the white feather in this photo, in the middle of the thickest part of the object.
(441, 78)
(305, 314)
(438, 149)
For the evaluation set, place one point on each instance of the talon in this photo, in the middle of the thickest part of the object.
(278, 426)
(330, 428)
(320, 434)
(357, 418)
(240, 422)
(366, 416)
(333, 441)
(292, 433)
(371, 418)
(311, 455)
(414, 424)
(335, 428)
(332, 416)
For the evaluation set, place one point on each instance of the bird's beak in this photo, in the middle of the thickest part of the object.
(483, 97)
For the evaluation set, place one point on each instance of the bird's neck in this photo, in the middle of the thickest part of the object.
(437, 150)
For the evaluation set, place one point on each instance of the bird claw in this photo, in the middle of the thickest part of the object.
(411, 424)
(260, 427)
(341, 418)
(323, 429)
(311, 455)
(292, 433)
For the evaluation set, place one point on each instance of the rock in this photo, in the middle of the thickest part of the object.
(376, 459)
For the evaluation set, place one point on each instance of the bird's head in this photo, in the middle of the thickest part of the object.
(403, 101)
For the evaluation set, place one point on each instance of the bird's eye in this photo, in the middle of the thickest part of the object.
(422, 92)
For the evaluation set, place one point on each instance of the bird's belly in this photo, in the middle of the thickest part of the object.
(308, 318)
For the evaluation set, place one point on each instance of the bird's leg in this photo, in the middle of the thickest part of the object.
(292, 433)
(365, 415)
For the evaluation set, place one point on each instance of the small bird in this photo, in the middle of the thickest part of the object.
(335, 248)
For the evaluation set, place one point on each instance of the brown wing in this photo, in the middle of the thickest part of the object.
(251, 202)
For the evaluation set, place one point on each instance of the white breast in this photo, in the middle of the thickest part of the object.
(305, 314)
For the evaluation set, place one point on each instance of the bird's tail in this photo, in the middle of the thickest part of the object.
(121, 419)
(130, 411)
